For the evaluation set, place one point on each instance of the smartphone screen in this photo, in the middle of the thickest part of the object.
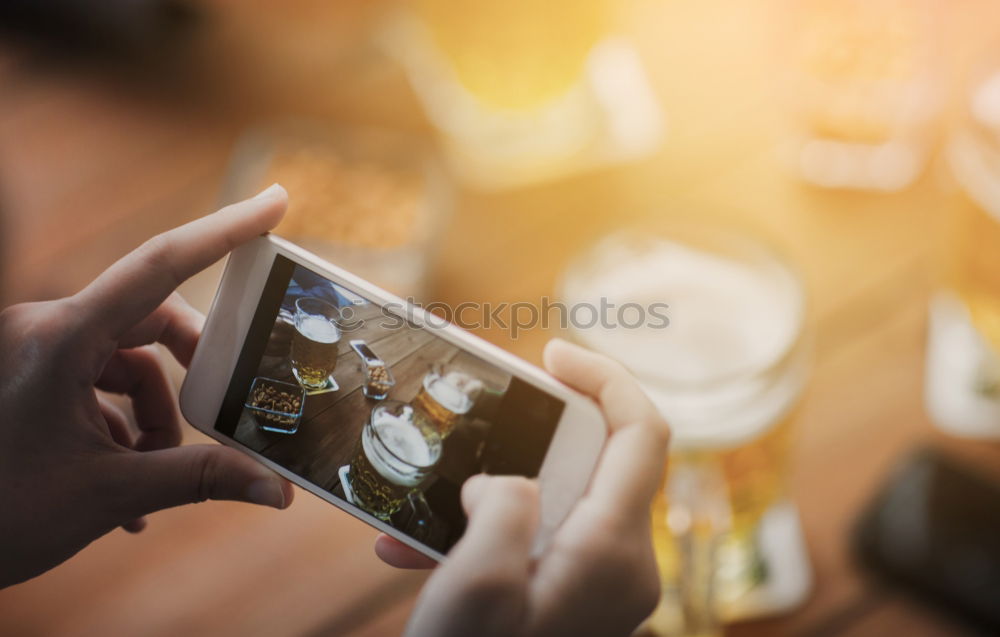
(393, 428)
(365, 352)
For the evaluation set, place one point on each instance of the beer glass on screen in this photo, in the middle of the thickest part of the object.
(315, 342)
(726, 369)
(446, 394)
(962, 386)
(397, 451)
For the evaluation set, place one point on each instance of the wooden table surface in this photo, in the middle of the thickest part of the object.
(94, 160)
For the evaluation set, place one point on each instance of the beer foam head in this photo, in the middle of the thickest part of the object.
(448, 392)
(318, 329)
(401, 453)
(728, 319)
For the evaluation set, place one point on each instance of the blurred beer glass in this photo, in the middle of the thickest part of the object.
(963, 353)
(867, 87)
(315, 342)
(524, 91)
(727, 372)
(397, 451)
(372, 201)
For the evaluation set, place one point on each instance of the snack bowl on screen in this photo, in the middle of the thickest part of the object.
(276, 406)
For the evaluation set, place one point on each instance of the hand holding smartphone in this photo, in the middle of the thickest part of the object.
(382, 415)
(108, 472)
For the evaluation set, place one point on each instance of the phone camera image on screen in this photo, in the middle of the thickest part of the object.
(384, 415)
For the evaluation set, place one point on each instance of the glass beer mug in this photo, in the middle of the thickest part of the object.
(446, 394)
(727, 372)
(397, 452)
(962, 386)
(315, 342)
(525, 91)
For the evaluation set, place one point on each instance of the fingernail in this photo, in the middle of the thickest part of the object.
(270, 191)
(266, 492)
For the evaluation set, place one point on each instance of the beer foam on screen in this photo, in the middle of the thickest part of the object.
(407, 450)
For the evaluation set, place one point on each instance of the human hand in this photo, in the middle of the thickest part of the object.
(598, 576)
(71, 466)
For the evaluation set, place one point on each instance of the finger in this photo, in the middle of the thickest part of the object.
(631, 467)
(175, 324)
(138, 374)
(395, 553)
(121, 432)
(118, 425)
(138, 283)
(629, 473)
(503, 518)
(482, 587)
(155, 480)
(605, 380)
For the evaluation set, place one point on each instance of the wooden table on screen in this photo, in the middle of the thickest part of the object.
(93, 162)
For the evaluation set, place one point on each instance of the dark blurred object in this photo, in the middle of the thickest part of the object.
(934, 531)
(105, 25)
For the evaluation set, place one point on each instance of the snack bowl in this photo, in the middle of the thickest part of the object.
(378, 380)
(277, 406)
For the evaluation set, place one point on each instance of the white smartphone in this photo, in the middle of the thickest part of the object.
(373, 404)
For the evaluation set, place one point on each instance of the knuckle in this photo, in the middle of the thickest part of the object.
(617, 368)
(28, 317)
(203, 470)
(609, 525)
(13, 323)
(147, 360)
(659, 426)
(613, 368)
(11, 313)
(155, 255)
(155, 248)
(40, 326)
(616, 542)
(518, 487)
(498, 592)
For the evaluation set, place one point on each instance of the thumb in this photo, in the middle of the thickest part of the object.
(482, 588)
(155, 480)
(503, 518)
